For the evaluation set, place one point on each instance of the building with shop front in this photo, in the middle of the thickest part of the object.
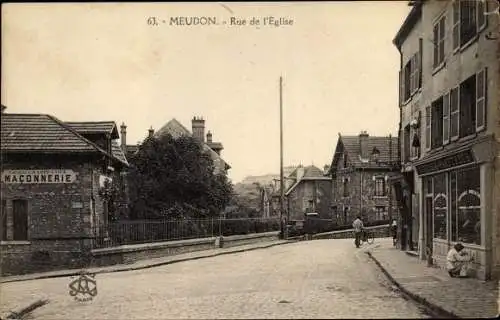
(449, 130)
(52, 174)
(360, 169)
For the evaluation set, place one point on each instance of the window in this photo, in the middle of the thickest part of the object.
(345, 160)
(380, 213)
(379, 186)
(467, 107)
(468, 21)
(3, 219)
(437, 123)
(20, 219)
(440, 206)
(408, 82)
(481, 100)
(346, 187)
(427, 127)
(438, 39)
(454, 113)
(467, 214)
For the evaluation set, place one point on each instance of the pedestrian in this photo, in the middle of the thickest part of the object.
(457, 261)
(357, 225)
(394, 232)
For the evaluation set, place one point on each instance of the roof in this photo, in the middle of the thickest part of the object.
(353, 150)
(311, 173)
(95, 127)
(42, 133)
(411, 19)
(176, 130)
(117, 152)
(131, 148)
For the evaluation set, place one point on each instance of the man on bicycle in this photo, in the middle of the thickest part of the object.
(357, 225)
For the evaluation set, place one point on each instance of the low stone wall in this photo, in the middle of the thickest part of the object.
(378, 232)
(132, 253)
(40, 256)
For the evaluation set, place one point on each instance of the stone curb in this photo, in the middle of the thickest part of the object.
(431, 306)
(146, 266)
(23, 311)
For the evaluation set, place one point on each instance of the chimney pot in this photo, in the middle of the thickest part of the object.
(363, 144)
(151, 132)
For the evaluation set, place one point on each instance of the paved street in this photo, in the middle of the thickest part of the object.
(314, 279)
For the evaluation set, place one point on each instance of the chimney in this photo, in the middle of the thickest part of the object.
(151, 132)
(390, 149)
(3, 108)
(300, 172)
(123, 136)
(363, 145)
(326, 168)
(198, 126)
(209, 137)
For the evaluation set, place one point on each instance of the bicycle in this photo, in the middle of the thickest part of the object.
(367, 237)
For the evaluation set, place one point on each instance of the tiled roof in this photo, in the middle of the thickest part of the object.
(92, 127)
(176, 130)
(42, 133)
(118, 152)
(310, 173)
(353, 150)
(313, 172)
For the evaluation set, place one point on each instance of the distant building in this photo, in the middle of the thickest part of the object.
(176, 129)
(309, 191)
(359, 170)
(52, 172)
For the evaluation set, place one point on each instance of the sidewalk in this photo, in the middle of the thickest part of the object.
(461, 298)
(23, 299)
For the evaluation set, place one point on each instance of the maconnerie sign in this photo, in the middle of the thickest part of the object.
(38, 176)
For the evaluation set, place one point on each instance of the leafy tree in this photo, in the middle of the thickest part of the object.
(175, 178)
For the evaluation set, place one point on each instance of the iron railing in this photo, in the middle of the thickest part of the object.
(146, 231)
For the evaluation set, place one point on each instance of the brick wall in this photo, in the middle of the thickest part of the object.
(361, 186)
(59, 215)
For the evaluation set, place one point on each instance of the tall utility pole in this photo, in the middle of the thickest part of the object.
(282, 188)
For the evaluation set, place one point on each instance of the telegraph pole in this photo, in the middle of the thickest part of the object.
(282, 188)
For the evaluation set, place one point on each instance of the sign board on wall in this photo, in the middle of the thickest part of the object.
(38, 176)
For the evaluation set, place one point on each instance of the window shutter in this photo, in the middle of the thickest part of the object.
(428, 127)
(481, 84)
(454, 113)
(446, 118)
(481, 8)
(435, 40)
(412, 82)
(401, 86)
(456, 25)
(442, 33)
(420, 54)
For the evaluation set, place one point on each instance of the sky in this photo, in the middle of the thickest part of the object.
(95, 62)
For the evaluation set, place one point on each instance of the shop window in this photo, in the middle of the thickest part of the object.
(3, 225)
(468, 214)
(20, 219)
(440, 206)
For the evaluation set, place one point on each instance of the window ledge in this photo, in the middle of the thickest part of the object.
(466, 45)
(438, 68)
(15, 242)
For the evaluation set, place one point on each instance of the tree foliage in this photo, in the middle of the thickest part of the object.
(175, 178)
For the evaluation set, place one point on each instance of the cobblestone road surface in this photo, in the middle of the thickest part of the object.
(313, 279)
